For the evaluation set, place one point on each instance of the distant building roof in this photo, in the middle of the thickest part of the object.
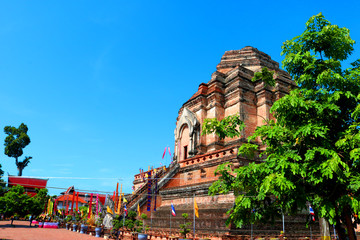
(28, 183)
(63, 198)
(70, 190)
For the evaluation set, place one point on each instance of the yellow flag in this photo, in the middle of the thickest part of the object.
(51, 207)
(124, 200)
(59, 211)
(48, 206)
(109, 210)
(196, 208)
(138, 209)
(119, 203)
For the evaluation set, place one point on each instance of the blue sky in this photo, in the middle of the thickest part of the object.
(99, 83)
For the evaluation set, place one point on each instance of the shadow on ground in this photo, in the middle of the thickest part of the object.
(15, 226)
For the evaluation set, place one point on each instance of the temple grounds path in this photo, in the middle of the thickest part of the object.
(22, 231)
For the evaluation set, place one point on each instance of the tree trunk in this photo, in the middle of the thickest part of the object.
(324, 229)
(348, 222)
(18, 166)
(340, 231)
(20, 169)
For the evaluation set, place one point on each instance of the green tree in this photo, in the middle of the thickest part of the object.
(312, 150)
(16, 201)
(16, 140)
(2, 182)
(184, 228)
(39, 201)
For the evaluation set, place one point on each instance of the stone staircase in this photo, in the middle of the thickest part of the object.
(140, 195)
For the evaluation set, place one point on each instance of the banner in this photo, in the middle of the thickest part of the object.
(116, 196)
(196, 208)
(90, 206)
(164, 153)
(149, 192)
(77, 202)
(67, 205)
(97, 205)
(72, 202)
(156, 189)
(55, 206)
(108, 209)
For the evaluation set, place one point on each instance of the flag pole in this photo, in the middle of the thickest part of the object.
(251, 232)
(151, 212)
(170, 219)
(194, 212)
(283, 222)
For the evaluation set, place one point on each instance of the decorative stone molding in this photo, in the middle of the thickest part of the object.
(189, 119)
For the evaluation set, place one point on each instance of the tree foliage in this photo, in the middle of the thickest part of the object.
(184, 228)
(17, 202)
(2, 182)
(15, 142)
(313, 148)
(229, 126)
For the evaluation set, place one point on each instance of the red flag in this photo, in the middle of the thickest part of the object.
(77, 201)
(90, 206)
(169, 151)
(67, 205)
(164, 153)
(72, 202)
(116, 196)
(55, 207)
(113, 198)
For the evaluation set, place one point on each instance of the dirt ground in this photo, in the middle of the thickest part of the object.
(22, 231)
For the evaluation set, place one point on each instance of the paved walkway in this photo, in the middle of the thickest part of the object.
(22, 231)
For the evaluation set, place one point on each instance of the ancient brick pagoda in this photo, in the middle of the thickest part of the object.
(230, 91)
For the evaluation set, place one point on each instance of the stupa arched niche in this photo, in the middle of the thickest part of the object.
(187, 135)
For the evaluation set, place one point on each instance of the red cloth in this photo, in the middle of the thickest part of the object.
(72, 202)
(77, 202)
(55, 207)
(67, 205)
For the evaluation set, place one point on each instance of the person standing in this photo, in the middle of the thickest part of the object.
(30, 219)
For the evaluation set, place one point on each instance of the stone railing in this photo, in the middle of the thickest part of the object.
(209, 156)
(140, 195)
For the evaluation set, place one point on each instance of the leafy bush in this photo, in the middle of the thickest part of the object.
(184, 227)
